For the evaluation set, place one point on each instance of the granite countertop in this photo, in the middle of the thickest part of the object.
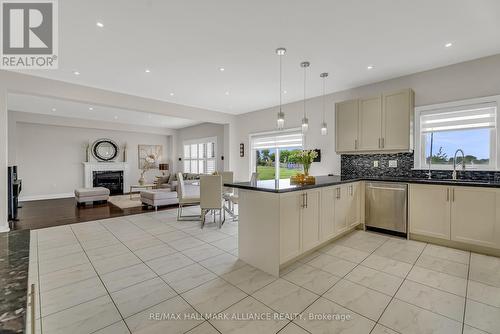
(284, 185)
(14, 261)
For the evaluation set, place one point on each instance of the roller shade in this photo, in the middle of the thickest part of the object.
(466, 117)
(277, 140)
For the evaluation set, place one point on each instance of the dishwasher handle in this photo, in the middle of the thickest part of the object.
(387, 188)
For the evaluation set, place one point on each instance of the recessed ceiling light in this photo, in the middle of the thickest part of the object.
(100, 24)
(447, 45)
(90, 108)
(54, 109)
(116, 117)
(147, 70)
(284, 92)
(370, 67)
(222, 69)
(227, 93)
(172, 94)
(76, 73)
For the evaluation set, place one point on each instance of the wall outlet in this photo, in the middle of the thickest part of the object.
(375, 163)
(393, 163)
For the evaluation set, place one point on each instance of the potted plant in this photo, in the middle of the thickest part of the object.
(306, 158)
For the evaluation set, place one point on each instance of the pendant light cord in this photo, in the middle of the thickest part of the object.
(304, 92)
(324, 78)
(281, 79)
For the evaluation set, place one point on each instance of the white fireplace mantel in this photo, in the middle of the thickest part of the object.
(90, 167)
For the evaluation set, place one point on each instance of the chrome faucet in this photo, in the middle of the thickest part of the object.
(454, 175)
(430, 156)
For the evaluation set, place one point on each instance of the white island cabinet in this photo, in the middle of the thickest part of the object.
(279, 222)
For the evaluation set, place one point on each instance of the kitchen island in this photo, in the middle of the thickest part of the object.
(279, 222)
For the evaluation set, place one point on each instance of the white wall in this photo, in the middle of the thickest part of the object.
(50, 157)
(477, 78)
(204, 130)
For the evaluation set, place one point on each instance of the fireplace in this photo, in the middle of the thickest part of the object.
(113, 180)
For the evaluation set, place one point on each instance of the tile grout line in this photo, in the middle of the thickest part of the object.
(466, 293)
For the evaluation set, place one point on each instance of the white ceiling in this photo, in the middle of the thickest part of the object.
(185, 42)
(55, 107)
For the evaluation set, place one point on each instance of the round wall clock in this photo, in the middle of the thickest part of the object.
(105, 150)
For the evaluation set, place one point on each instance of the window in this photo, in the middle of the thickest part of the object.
(272, 154)
(468, 125)
(200, 156)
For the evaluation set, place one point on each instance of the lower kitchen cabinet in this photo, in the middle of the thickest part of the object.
(354, 202)
(465, 214)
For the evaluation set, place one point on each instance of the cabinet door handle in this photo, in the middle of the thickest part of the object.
(302, 205)
(355, 144)
(447, 194)
(32, 304)
(307, 199)
(338, 193)
(383, 142)
(379, 146)
(453, 195)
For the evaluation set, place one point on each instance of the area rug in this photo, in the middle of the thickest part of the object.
(125, 202)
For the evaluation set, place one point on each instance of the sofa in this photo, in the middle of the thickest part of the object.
(169, 180)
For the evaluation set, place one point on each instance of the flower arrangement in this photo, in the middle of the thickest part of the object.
(306, 158)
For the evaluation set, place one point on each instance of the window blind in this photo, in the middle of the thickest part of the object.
(466, 117)
(277, 140)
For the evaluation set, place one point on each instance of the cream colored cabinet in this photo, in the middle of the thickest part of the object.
(290, 214)
(475, 216)
(370, 124)
(310, 220)
(397, 119)
(327, 227)
(346, 120)
(429, 210)
(353, 212)
(380, 123)
(341, 208)
(465, 214)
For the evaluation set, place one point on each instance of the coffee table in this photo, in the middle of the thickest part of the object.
(141, 186)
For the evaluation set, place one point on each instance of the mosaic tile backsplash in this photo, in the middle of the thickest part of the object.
(361, 165)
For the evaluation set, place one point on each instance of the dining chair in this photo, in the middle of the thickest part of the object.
(211, 198)
(229, 194)
(186, 198)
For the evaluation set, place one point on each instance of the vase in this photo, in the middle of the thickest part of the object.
(306, 170)
(142, 181)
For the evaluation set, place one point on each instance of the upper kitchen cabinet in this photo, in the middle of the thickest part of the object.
(380, 123)
(346, 113)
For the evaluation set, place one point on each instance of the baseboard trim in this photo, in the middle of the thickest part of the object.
(46, 196)
(4, 228)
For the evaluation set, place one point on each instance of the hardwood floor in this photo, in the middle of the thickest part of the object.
(54, 212)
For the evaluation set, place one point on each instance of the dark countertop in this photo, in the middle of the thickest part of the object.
(14, 261)
(283, 186)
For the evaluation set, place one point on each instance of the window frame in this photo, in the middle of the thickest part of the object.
(419, 151)
(252, 161)
(204, 160)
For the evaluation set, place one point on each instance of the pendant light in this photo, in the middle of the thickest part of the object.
(324, 129)
(280, 121)
(305, 121)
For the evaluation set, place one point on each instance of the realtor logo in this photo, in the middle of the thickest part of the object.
(29, 34)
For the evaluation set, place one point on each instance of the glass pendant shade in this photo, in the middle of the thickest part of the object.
(305, 124)
(324, 129)
(280, 121)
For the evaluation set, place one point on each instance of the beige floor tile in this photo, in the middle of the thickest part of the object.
(222, 264)
(66, 276)
(482, 316)
(471, 330)
(347, 253)
(388, 266)
(434, 300)
(140, 296)
(102, 253)
(227, 244)
(311, 278)
(213, 296)
(285, 297)
(171, 236)
(444, 266)
(188, 277)
(379, 329)
(144, 323)
(122, 278)
(202, 252)
(407, 318)
(364, 241)
(337, 319)
(360, 299)
(447, 253)
(169, 263)
(204, 328)
(110, 264)
(116, 328)
(186, 243)
(401, 250)
(441, 281)
(485, 269)
(244, 307)
(70, 295)
(248, 278)
(83, 318)
(63, 262)
(375, 280)
(292, 328)
(150, 253)
(332, 264)
(56, 252)
(101, 241)
(483, 293)
(211, 236)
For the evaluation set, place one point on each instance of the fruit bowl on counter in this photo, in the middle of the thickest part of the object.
(302, 179)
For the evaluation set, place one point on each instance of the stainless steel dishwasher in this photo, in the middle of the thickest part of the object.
(386, 207)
